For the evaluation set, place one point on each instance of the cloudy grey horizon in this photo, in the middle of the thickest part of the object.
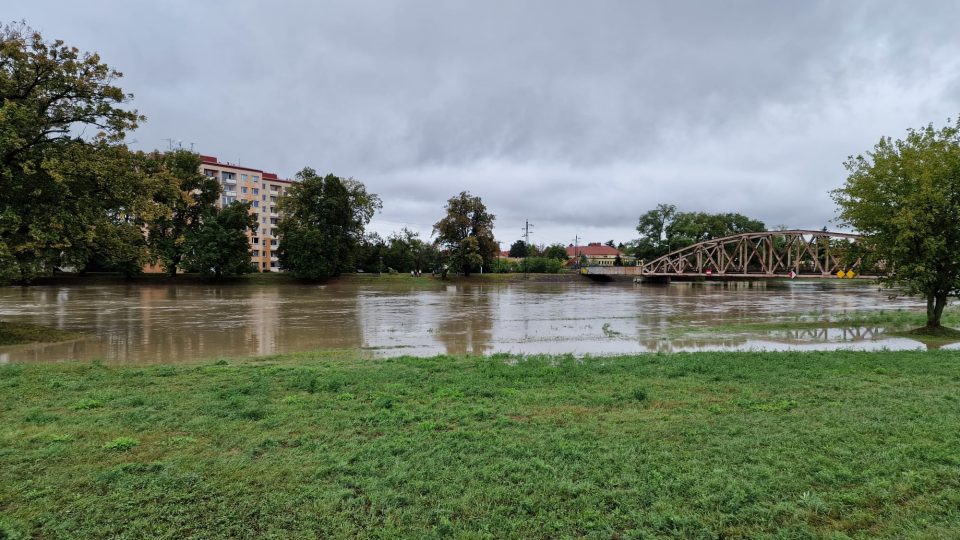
(576, 116)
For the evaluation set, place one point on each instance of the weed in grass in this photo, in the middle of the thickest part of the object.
(40, 417)
(121, 444)
(87, 403)
(181, 440)
(639, 394)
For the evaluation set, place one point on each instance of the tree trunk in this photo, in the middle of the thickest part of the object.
(935, 305)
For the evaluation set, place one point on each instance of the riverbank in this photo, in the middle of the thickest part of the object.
(273, 278)
(15, 333)
(328, 444)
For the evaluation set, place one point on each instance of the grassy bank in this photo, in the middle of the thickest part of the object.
(15, 333)
(734, 445)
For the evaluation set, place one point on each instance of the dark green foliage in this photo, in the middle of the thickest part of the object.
(401, 252)
(556, 251)
(519, 249)
(725, 445)
(540, 265)
(663, 229)
(466, 233)
(188, 198)
(61, 193)
(322, 228)
(219, 246)
(904, 197)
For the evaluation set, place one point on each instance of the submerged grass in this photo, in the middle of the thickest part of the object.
(899, 321)
(708, 445)
(16, 333)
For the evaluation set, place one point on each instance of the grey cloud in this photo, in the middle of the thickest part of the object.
(578, 116)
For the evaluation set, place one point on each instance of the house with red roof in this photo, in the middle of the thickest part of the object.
(597, 254)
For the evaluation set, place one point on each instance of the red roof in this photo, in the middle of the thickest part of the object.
(592, 250)
(212, 160)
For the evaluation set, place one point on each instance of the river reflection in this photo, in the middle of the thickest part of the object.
(171, 323)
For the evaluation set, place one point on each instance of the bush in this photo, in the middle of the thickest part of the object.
(541, 265)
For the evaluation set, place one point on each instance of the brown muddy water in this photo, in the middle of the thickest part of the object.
(176, 323)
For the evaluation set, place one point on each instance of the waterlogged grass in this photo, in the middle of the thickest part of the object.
(732, 445)
(15, 333)
(899, 321)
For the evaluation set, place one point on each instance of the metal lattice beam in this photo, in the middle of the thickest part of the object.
(761, 254)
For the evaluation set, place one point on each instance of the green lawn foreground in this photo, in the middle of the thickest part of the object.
(731, 445)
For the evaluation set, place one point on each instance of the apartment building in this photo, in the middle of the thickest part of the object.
(263, 191)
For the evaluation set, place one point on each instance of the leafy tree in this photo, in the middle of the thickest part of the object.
(191, 196)
(219, 245)
(556, 251)
(467, 233)
(322, 228)
(405, 251)
(370, 252)
(652, 227)
(65, 177)
(617, 261)
(663, 229)
(519, 249)
(904, 198)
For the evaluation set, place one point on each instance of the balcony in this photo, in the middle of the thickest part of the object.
(229, 193)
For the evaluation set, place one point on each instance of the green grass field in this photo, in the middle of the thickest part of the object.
(714, 445)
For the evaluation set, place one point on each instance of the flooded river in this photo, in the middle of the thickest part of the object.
(171, 323)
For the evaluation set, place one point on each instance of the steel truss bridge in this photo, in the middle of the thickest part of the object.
(769, 254)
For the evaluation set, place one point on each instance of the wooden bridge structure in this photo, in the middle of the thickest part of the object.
(768, 254)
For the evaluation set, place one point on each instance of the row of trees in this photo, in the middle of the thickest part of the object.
(554, 251)
(664, 229)
(73, 195)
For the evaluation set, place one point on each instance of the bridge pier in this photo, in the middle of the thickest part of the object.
(653, 280)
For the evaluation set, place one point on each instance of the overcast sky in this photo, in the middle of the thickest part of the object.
(578, 116)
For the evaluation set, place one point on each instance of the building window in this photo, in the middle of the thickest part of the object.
(256, 191)
(243, 177)
(255, 253)
(210, 173)
(273, 221)
(243, 189)
(255, 240)
(256, 204)
(228, 176)
(256, 178)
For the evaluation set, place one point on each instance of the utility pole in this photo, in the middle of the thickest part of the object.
(527, 227)
(576, 251)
